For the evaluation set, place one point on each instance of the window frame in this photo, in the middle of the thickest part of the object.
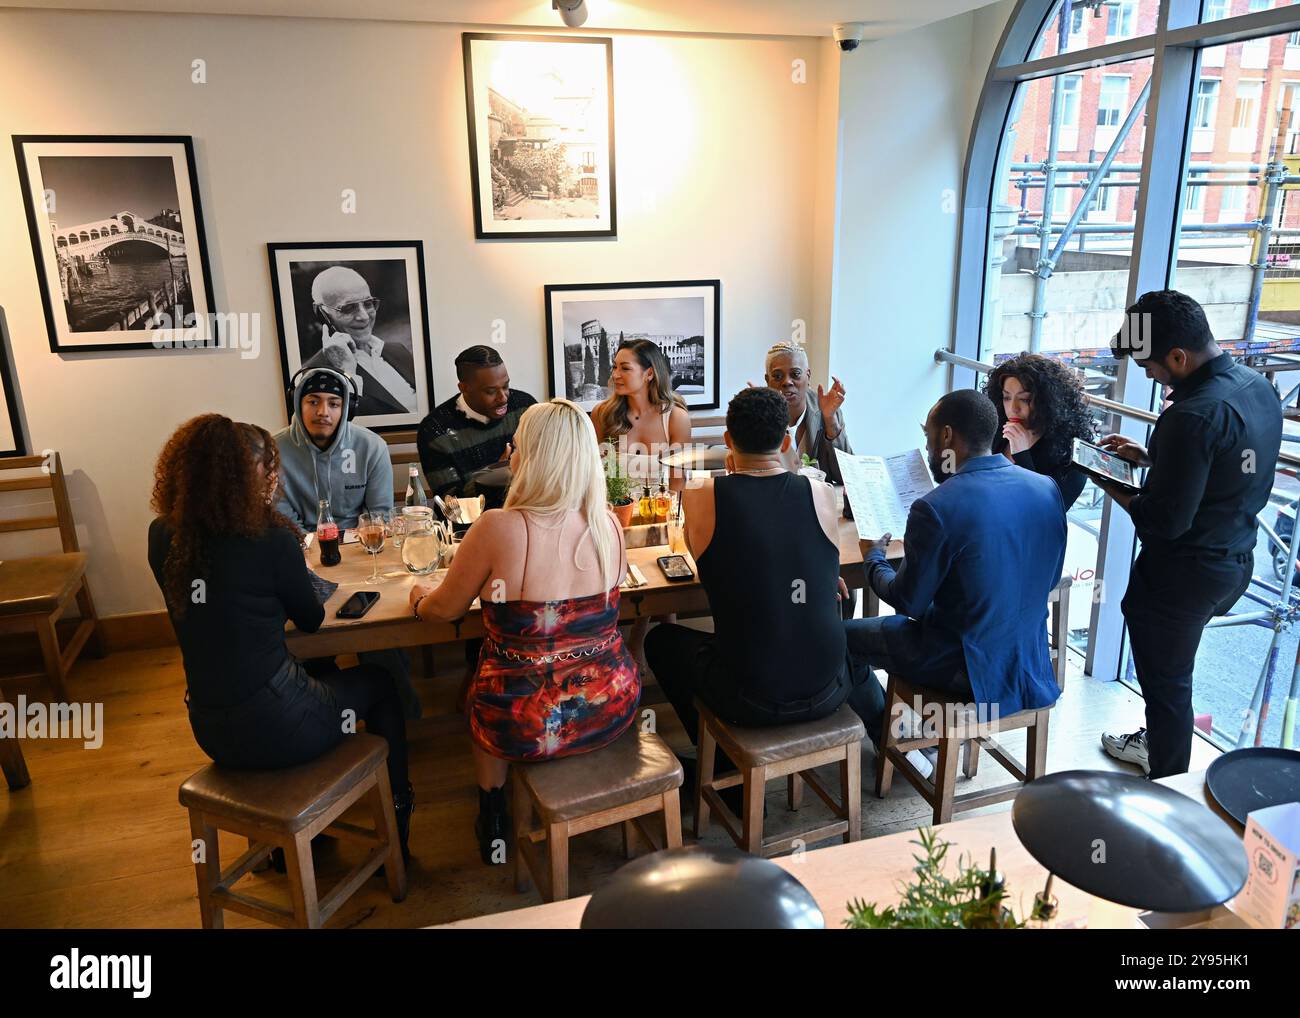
(1175, 48)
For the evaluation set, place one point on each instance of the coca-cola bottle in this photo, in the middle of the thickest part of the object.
(327, 535)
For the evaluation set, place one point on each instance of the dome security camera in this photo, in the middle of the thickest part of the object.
(574, 12)
(849, 35)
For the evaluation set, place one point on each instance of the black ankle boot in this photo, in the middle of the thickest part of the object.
(403, 807)
(493, 822)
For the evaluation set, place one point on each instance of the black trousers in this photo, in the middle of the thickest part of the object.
(296, 718)
(1168, 602)
(893, 643)
(395, 661)
(686, 666)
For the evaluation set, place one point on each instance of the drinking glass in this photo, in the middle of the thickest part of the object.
(370, 532)
(676, 526)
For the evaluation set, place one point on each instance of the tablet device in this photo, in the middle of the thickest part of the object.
(1097, 462)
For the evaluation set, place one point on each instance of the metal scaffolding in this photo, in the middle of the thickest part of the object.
(1034, 175)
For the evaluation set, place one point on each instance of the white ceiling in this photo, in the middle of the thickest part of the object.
(742, 17)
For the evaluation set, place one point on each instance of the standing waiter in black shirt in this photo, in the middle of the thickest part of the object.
(1211, 466)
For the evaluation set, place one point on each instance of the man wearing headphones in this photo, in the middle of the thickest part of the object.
(324, 455)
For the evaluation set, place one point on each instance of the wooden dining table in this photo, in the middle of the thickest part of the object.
(390, 622)
(874, 869)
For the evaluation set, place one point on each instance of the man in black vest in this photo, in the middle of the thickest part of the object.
(1210, 472)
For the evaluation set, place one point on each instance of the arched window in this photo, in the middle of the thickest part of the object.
(1122, 146)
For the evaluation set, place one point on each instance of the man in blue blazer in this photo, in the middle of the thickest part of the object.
(982, 552)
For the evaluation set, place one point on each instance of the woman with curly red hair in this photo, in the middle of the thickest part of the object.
(232, 571)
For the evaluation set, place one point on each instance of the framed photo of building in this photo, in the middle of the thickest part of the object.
(13, 440)
(360, 307)
(117, 234)
(541, 134)
(586, 322)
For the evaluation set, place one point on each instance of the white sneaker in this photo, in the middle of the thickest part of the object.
(1131, 748)
(920, 759)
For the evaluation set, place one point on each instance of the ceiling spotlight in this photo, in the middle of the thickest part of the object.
(574, 12)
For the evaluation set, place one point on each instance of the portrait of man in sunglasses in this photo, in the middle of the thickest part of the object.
(346, 312)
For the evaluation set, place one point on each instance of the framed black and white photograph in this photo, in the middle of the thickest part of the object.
(13, 440)
(586, 322)
(541, 134)
(358, 306)
(117, 234)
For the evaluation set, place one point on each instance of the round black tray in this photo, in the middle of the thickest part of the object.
(1245, 780)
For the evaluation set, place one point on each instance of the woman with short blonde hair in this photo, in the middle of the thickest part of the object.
(554, 678)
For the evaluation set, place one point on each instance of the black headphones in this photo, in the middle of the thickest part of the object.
(342, 375)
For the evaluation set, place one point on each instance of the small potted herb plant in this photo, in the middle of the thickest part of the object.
(618, 487)
(973, 900)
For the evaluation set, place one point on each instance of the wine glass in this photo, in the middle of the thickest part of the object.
(370, 532)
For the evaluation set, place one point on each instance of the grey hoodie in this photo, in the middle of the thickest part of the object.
(354, 472)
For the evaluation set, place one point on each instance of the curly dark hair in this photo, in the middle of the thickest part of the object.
(1060, 406)
(206, 485)
(757, 420)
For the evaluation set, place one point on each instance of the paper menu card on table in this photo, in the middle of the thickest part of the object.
(881, 489)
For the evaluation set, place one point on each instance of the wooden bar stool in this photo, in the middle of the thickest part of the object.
(789, 751)
(12, 763)
(633, 777)
(960, 724)
(286, 809)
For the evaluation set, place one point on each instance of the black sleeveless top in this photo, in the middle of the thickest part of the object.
(772, 575)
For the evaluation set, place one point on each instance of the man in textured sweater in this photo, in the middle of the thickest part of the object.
(472, 431)
(475, 429)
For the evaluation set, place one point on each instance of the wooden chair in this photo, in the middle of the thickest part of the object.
(402, 453)
(789, 751)
(285, 809)
(35, 591)
(960, 724)
(12, 763)
(634, 777)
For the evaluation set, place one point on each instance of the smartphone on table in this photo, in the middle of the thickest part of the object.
(674, 568)
(358, 604)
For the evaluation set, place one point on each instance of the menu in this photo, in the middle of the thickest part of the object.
(881, 489)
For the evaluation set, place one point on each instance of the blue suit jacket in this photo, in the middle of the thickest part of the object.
(982, 553)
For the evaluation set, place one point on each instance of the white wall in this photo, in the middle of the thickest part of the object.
(717, 167)
(905, 108)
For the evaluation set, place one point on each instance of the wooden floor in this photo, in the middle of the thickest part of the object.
(99, 840)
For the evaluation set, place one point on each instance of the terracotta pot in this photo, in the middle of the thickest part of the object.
(623, 510)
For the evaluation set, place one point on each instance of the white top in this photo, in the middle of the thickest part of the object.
(645, 466)
(794, 428)
(469, 412)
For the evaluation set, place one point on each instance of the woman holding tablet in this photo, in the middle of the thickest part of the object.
(1042, 409)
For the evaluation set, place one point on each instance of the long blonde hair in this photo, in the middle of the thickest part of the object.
(612, 412)
(560, 469)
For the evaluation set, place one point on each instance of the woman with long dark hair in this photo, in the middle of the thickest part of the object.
(232, 571)
(1042, 409)
(642, 412)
